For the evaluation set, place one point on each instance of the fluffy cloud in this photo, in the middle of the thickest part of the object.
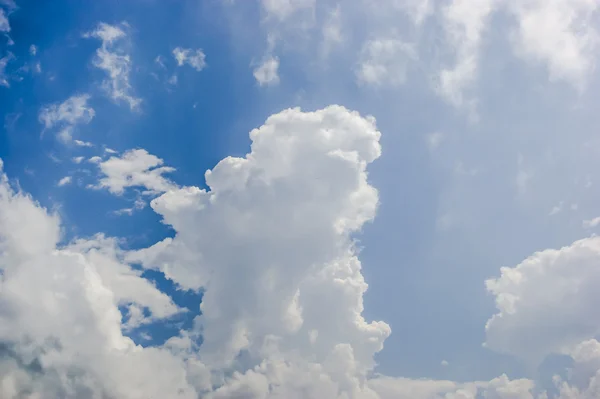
(560, 34)
(267, 73)
(194, 58)
(547, 303)
(115, 61)
(67, 115)
(60, 326)
(135, 168)
(270, 242)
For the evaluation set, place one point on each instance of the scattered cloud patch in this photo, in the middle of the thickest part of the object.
(3, 64)
(115, 61)
(33, 49)
(267, 73)
(64, 181)
(135, 168)
(194, 58)
(67, 115)
(384, 62)
(591, 223)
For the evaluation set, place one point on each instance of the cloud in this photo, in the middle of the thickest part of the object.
(194, 58)
(66, 115)
(551, 296)
(560, 34)
(64, 181)
(283, 9)
(135, 168)
(4, 24)
(384, 61)
(267, 72)
(464, 24)
(33, 49)
(271, 243)
(589, 224)
(3, 64)
(115, 61)
(61, 302)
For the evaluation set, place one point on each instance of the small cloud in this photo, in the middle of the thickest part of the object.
(160, 61)
(444, 363)
(33, 49)
(95, 159)
(78, 159)
(267, 73)
(590, 224)
(3, 63)
(4, 24)
(83, 143)
(110, 151)
(384, 61)
(64, 181)
(434, 140)
(556, 209)
(172, 80)
(115, 62)
(66, 115)
(194, 58)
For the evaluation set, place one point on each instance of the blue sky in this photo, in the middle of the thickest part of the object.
(465, 183)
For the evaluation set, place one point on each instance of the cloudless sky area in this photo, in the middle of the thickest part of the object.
(299, 199)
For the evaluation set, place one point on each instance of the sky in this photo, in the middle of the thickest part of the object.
(391, 199)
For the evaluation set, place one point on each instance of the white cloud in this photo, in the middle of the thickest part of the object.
(464, 23)
(78, 159)
(283, 9)
(64, 181)
(65, 337)
(3, 64)
(267, 73)
(115, 61)
(384, 61)
(67, 115)
(4, 24)
(272, 325)
(194, 58)
(135, 168)
(81, 143)
(552, 296)
(33, 49)
(589, 224)
(434, 140)
(560, 34)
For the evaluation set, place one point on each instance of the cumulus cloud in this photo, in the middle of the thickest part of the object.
(113, 58)
(135, 168)
(547, 303)
(61, 329)
(194, 58)
(270, 243)
(66, 115)
(267, 73)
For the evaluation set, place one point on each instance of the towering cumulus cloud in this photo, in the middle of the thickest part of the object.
(270, 243)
